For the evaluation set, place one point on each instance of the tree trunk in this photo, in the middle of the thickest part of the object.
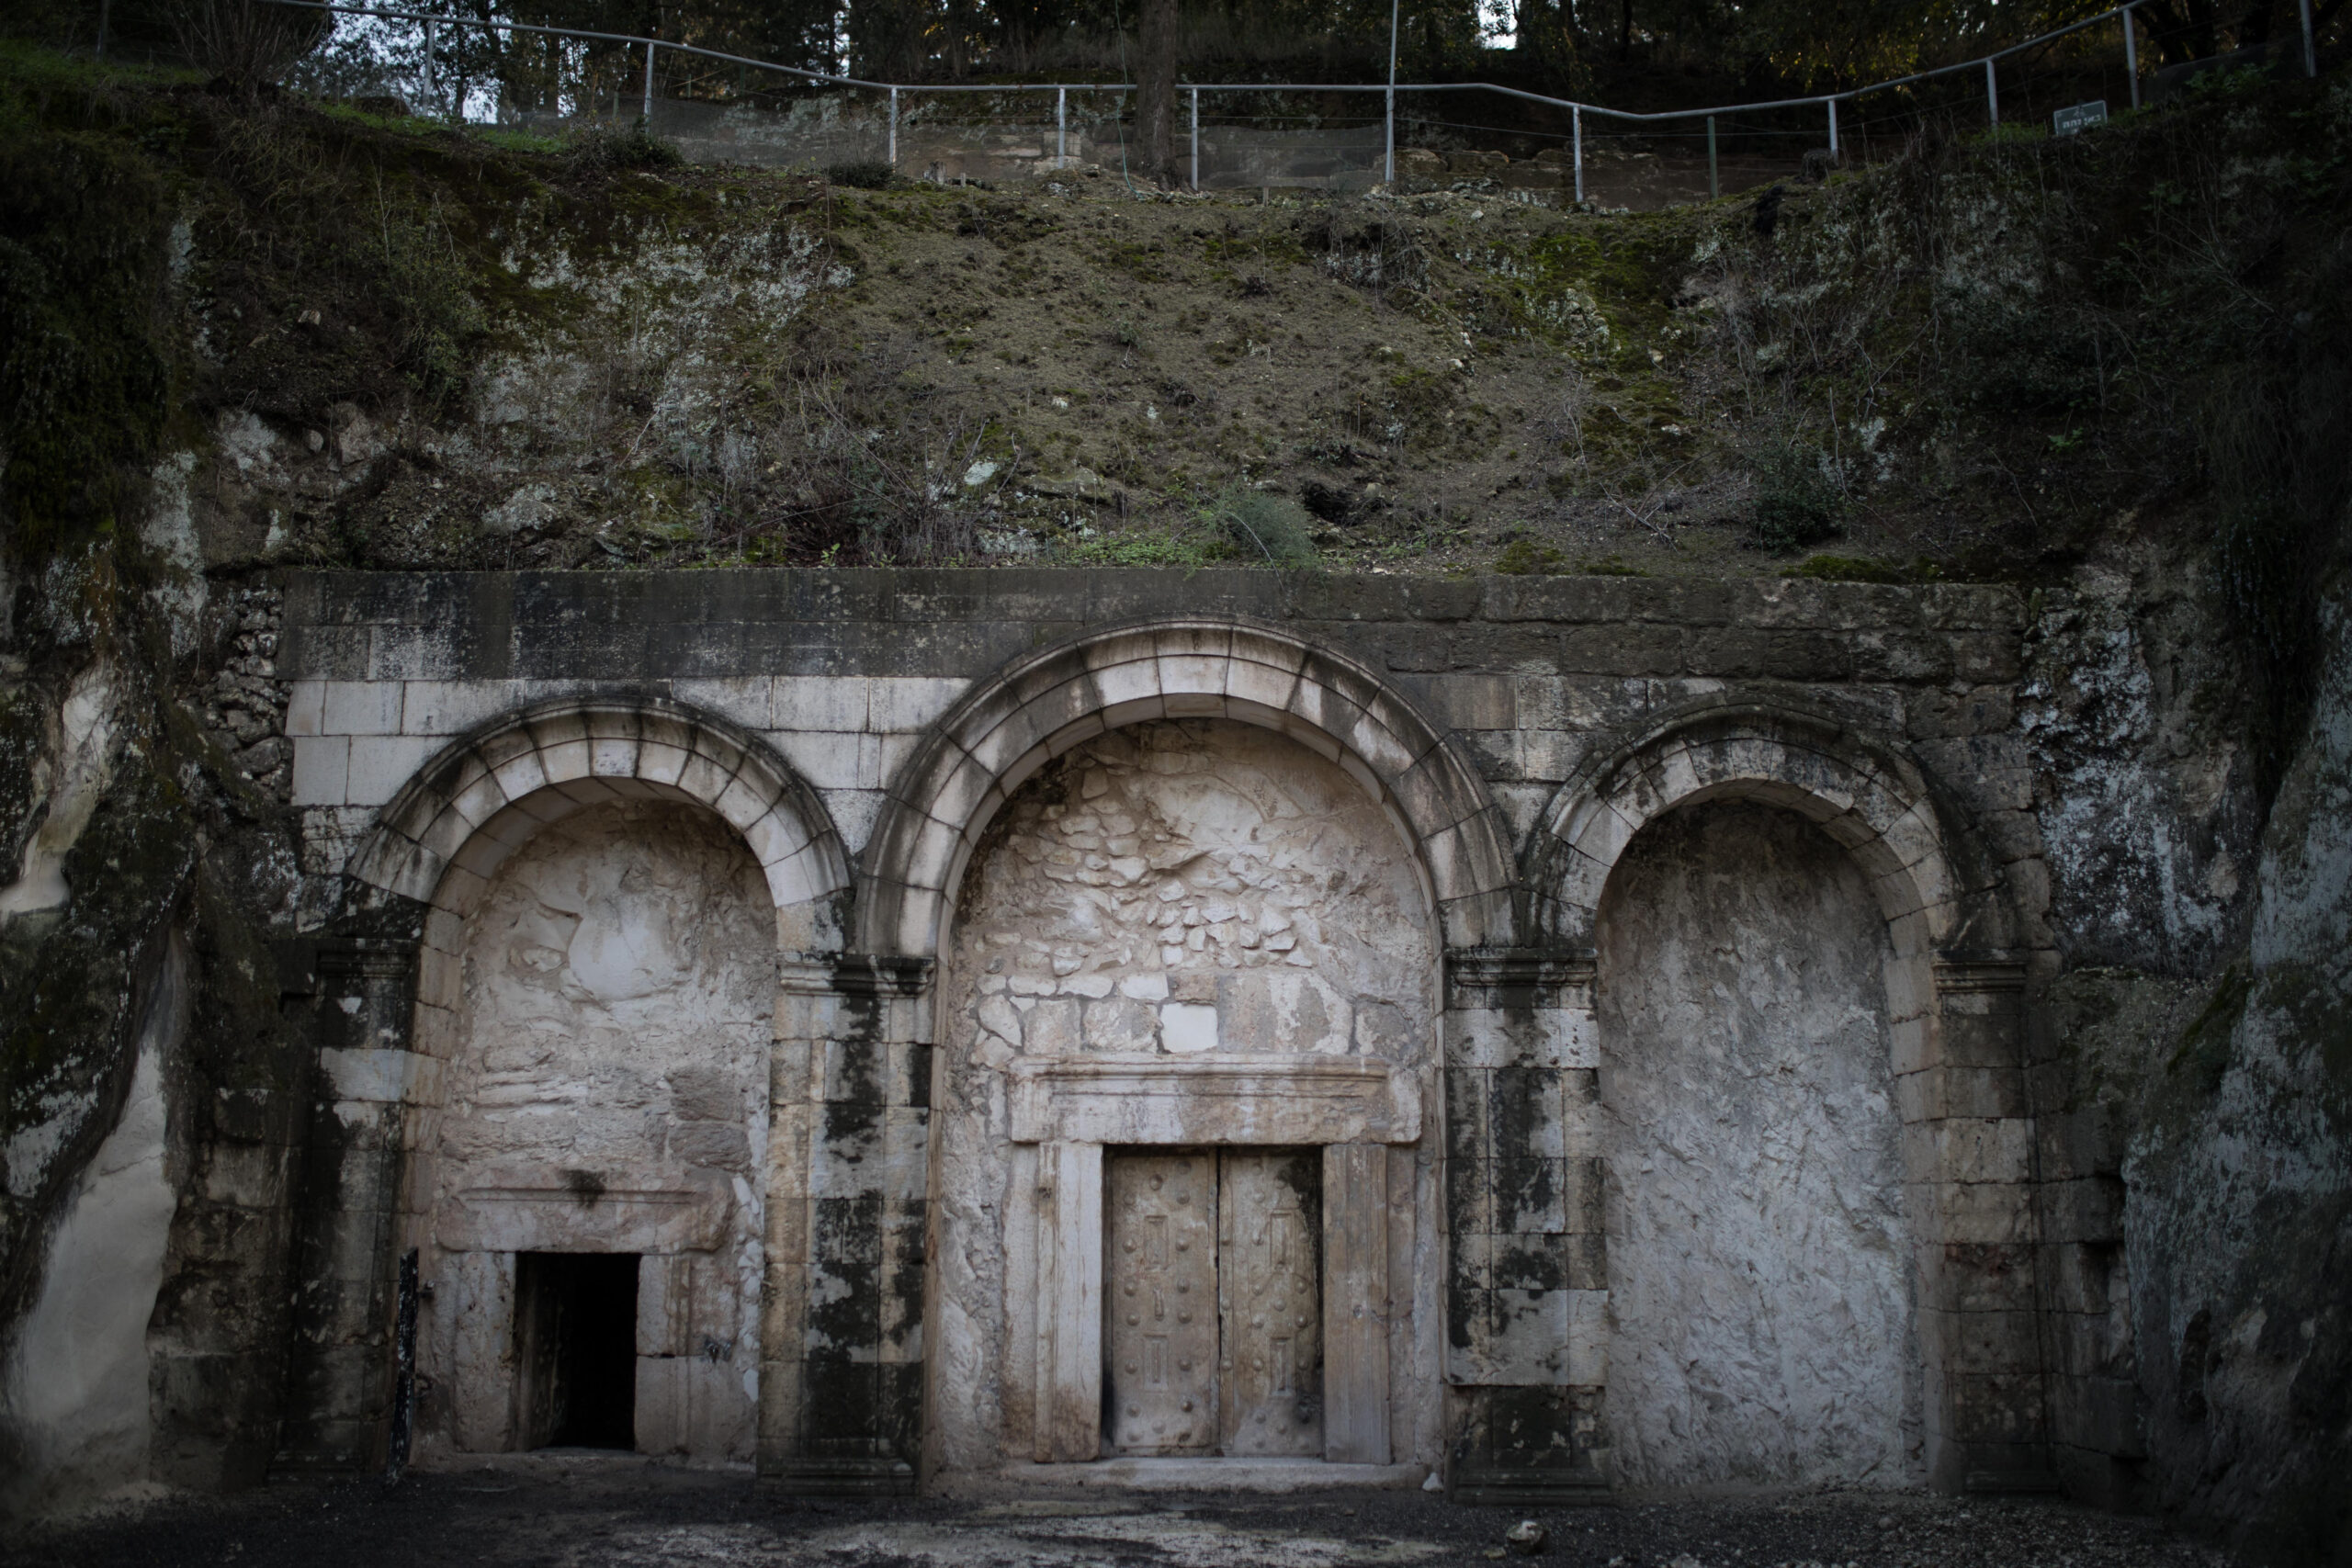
(1156, 90)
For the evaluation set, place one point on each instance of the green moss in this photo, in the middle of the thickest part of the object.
(1862, 568)
(86, 382)
(1525, 557)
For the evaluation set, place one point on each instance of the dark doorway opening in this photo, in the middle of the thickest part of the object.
(575, 1349)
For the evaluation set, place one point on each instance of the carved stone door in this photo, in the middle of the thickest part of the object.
(1213, 1308)
(1162, 1303)
(1270, 1281)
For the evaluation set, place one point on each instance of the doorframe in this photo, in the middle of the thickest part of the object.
(1068, 1426)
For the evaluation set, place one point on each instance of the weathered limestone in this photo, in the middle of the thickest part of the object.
(1407, 778)
(1528, 1287)
(76, 1421)
(848, 1196)
(1192, 934)
(605, 1092)
(1761, 1302)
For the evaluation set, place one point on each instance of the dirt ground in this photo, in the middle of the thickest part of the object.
(595, 1511)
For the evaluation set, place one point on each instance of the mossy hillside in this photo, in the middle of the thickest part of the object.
(1985, 350)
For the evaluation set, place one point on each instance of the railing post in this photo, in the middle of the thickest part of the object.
(1388, 159)
(1833, 131)
(894, 129)
(1575, 142)
(1196, 139)
(649, 84)
(2311, 48)
(2131, 56)
(1992, 93)
(1714, 184)
(1061, 128)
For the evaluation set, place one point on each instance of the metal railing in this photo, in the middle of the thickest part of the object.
(1578, 110)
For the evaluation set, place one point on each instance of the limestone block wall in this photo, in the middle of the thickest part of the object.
(1508, 728)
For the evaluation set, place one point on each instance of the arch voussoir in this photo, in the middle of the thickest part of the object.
(1004, 730)
(446, 833)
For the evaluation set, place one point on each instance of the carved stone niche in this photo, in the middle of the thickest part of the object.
(1350, 1107)
(689, 1396)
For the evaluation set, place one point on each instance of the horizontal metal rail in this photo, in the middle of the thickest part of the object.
(1814, 99)
(1575, 107)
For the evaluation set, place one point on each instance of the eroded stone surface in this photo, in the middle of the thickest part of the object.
(1760, 1281)
(1169, 891)
(612, 1058)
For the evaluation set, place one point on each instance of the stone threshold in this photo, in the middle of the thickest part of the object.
(1210, 1475)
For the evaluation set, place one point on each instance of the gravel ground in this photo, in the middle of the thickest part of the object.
(591, 1513)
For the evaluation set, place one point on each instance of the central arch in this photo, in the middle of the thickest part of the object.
(1312, 1052)
(1006, 728)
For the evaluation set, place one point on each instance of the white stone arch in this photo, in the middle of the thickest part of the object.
(1955, 980)
(440, 840)
(1924, 868)
(1064, 1115)
(984, 747)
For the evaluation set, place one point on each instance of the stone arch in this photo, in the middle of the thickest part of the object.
(1955, 978)
(468, 809)
(1009, 727)
(476, 808)
(441, 838)
(1932, 879)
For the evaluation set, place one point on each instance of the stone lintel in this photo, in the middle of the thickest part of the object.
(1218, 1098)
(534, 1209)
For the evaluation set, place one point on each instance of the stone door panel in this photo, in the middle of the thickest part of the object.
(1269, 1278)
(1161, 1342)
(1212, 1310)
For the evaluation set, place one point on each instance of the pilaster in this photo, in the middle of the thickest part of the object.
(1527, 1285)
(848, 1181)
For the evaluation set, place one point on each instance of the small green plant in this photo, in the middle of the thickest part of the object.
(1525, 557)
(1134, 550)
(1796, 501)
(602, 147)
(1266, 526)
(867, 174)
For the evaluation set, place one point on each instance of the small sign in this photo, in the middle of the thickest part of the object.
(2067, 121)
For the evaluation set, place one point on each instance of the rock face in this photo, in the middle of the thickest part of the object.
(1175, 890)
(2240, 1165)
(1758, 1263)
(1667, 981)
(75, 1401)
